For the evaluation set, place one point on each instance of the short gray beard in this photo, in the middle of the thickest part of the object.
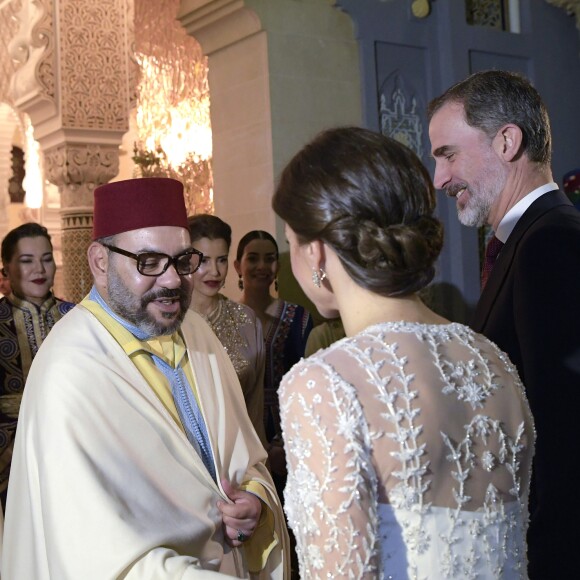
(477, 214)
(482, 197)
(124, 303)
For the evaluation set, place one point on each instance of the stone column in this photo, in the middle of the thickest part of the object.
(279, 72)
(76, 169)
(76, 81)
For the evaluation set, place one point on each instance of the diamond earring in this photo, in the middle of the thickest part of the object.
(318, 278)
(315, 278)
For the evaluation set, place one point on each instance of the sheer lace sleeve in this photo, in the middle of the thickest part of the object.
(331, 491)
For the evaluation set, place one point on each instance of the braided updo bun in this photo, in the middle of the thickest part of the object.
(370, 199)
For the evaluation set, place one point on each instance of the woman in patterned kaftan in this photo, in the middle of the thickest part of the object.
(26, 316)
(409, 442)
(286, 327)
(236, 325)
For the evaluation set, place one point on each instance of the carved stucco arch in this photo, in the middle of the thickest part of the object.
(9, 124)
(9, 120)
(76, 86)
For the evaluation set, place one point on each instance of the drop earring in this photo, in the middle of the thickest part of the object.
(315, 278)
(276, 284)
(240, 282)
(318, 278)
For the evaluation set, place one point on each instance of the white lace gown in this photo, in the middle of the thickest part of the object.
(409, 451)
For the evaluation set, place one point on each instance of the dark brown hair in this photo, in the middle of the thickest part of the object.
(27, 230)
(371, 200)
(494, 98)
(250, 237)
(209, 226)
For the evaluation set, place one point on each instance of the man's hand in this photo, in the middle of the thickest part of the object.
(241, 518)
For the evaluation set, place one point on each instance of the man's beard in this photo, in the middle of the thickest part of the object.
(477, 209)
(133, 309)
(482, 195)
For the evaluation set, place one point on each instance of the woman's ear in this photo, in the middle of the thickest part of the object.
(237, 267)
(316, 254)
(98, 258)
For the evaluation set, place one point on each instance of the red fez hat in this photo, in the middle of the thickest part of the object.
(133, 204)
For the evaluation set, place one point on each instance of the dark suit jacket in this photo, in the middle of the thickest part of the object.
(531, 309)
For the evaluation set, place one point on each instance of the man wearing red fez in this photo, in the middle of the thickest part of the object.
(135, 456)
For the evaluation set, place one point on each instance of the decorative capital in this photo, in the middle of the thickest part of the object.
(78, 168)
(77, 218)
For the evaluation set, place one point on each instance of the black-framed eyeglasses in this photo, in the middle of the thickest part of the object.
(156, 263)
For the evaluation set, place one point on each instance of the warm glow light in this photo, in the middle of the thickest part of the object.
(180, 129)
(173, 115)
(33, 180)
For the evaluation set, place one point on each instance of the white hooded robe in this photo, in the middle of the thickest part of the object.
(104, 483)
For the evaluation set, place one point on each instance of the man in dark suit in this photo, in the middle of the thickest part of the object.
(490, 137)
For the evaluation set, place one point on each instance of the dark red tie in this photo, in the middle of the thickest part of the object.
(492, 250)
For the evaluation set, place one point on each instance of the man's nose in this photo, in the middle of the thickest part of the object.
(170, 278)
(441, 176)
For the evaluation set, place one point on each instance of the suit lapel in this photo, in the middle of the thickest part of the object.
(504, 261)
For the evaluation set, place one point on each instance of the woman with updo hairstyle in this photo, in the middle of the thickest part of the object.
(27, 314)
(236, 325)
(408, 442)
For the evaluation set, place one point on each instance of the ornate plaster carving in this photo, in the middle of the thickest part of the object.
(91, 83)
(94, 64)
(32, 48)
(76, 238)
(571, 7)
(8, 28)
(74, 75)
(78, 168)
